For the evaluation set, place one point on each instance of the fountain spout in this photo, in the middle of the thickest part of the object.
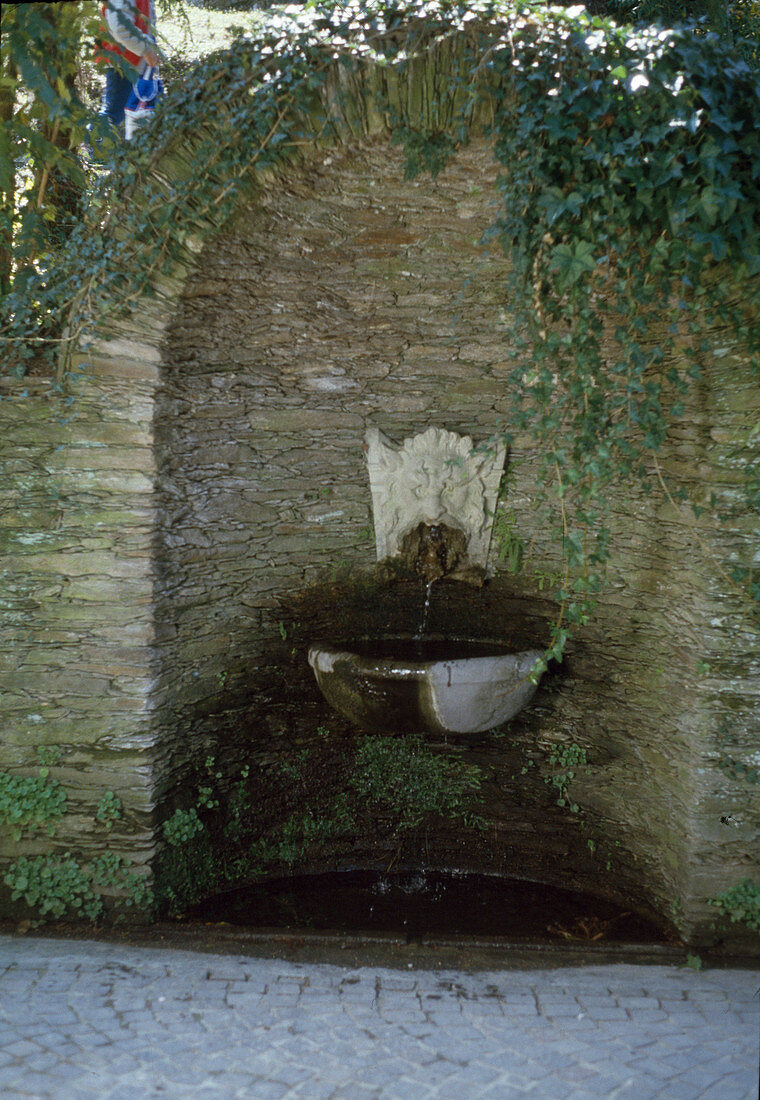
(434, 501)
(434, 550)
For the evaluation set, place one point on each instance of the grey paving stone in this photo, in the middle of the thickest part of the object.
(319, 1032)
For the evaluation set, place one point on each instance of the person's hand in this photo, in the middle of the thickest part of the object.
(152, 58)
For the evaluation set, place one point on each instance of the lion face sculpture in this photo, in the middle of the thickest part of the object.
(435, 478)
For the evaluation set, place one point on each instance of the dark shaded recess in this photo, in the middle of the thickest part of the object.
(380, 604)
(418, 904)
(274, 692)
(278, 711)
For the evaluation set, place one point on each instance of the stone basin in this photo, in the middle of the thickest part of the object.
(424, 685)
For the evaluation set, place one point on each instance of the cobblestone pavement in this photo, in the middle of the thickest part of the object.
(91, 1019)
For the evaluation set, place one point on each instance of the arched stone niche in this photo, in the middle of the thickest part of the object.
(231, 413)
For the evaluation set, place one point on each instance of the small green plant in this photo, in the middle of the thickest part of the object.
(564, 760)
(62, 885)
(547, 580)
(276, 817)
(54, 886)
(111, 870)
(741, 904)
(738, 769)
(295, 768)
(207, 799)
(49, 755)
(31, 802)
(411, 781)
(109, 810)
(510, 548)
(182, 827)
(694, 962)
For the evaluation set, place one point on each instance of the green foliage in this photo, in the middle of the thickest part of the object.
(741, 904)
(629, 195)
(738, 20)
(182, 827)
(49, 755)
(424, 151)
(109, 810)
(110, 870)
(387, 785)
(597, 134)
(44, 121)
(739, 769)
(31, 802)
(54, 886)
(62, 885)
(509, 546)
(295, 767)
(665, 11)
(563, 761)
(403, 777)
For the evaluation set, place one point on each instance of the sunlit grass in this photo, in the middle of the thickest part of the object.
(190, 33)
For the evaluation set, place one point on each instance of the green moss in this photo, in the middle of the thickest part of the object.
(248, 825)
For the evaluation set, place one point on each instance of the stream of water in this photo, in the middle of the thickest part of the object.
(425, 611)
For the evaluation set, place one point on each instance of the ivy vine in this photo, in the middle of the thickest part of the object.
(630, 190)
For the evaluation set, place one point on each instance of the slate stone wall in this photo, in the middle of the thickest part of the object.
(378, 305)
(177, 534)
(76, 597)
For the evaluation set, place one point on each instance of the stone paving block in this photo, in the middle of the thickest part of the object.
(559, 1013)
(741, 1084)
(22, 1048)
(41, 1063)
(580, 1024)
(607, 1013)
(444, 1016)
(314, 1089)
(643, 1089)
(395, 985)
(314, 1041)
(518, 1064)
(505, 1088)
(407, 1089)
(355, 1092)
(34, 1084)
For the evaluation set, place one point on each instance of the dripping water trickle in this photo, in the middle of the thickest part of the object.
(425, 610)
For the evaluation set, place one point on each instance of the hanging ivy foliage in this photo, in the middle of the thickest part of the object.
(631, 190)
(630, 184)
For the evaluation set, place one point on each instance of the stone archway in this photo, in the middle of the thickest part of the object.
(229, 416)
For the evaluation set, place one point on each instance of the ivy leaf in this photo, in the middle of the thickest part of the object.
(571, 262)
(709, 205)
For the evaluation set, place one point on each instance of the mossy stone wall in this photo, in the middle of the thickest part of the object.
(183, 527)
(76, 597)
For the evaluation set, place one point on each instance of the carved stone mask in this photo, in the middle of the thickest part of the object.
(436, 477)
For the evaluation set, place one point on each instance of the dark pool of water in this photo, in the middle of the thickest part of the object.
(424, 649)
(420, 903)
